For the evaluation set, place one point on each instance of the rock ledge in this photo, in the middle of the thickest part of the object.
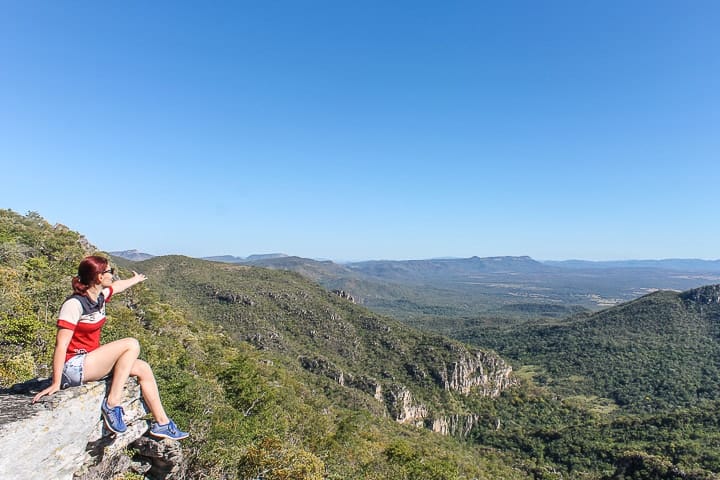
(63, 436)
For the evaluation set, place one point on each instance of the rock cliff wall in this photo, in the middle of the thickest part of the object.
(471, 373)
(485, 373)
(63, 437)
(403, 408)
(456, 425)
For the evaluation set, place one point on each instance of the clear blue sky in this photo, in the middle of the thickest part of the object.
(367, 129)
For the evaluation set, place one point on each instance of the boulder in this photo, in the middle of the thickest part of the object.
(63, 436)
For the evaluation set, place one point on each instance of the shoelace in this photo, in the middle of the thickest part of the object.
(114, 410)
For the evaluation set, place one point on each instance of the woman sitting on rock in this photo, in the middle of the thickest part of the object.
(79, 357)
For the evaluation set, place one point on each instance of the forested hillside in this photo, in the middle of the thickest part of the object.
(642, 377)
(420, 377)
(660, 351)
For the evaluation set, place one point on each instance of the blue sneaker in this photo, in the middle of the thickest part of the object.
(169, 430)
(113, 417)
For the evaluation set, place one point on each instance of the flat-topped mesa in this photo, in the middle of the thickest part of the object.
(63, 436)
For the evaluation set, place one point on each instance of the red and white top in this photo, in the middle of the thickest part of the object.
(85, 318)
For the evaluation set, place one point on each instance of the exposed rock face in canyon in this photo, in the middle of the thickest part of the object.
(456, 425)
(480, 372)
(473, 373)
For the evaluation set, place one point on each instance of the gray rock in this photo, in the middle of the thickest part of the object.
(63, 436)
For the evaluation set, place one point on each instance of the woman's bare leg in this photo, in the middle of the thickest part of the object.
(117, 357)
(149, 388)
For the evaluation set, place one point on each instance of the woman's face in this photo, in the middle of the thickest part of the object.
(106, 277)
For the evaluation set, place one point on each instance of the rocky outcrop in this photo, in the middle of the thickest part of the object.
(365, 384)
(708, 295)
(473, 373)
(398, 399)
(345, 295)
(324, 367)
(230, 297)
(403, 408)
(483, 373)
(63, 437)
(455, 425)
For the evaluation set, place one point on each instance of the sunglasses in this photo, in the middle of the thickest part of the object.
(111, 271)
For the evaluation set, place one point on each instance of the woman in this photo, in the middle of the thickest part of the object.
(79, 357)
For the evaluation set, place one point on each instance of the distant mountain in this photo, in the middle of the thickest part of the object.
(250, 259)
(225, 259)
(265, 256)
(321, 271)
(134, 255)
(680, 264)
(424, 270)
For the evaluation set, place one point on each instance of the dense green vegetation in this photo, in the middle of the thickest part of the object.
(249, 410)
(626, 393)
(640, 377)
(281, 311)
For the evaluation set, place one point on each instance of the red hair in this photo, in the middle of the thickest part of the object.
(88, 272)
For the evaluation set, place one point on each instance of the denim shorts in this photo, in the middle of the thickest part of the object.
(72, 375)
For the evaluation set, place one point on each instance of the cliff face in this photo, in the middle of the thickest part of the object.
(481, 372)
(63, 437)
(403, 408)
(471, 373)
(459, 425)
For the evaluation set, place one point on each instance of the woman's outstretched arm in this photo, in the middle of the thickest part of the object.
(121, 285)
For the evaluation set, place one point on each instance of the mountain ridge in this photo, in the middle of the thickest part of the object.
(668, 263)
(134, 255)
(681, 264)
(476, 285)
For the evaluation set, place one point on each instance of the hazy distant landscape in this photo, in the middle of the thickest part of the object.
(416, 289)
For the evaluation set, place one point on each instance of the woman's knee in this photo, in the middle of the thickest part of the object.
(141, 369)
(131, 344)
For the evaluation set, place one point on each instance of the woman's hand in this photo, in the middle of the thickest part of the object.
(138, 277)
(48, 391)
